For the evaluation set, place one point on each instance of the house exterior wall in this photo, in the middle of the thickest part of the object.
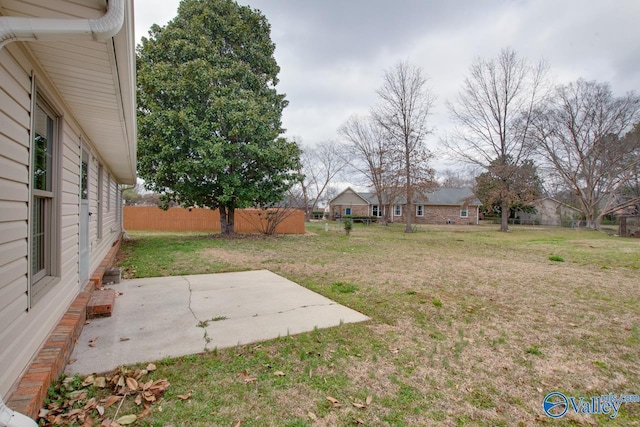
(27, 318)
(348, 199)
(435, 214)
(550, 212)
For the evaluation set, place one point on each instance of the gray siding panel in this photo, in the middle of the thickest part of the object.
(13, 271)
(12, 251)
(11, 292)
(10, 231)
(12, 211)
(13, 150)
(13, 171)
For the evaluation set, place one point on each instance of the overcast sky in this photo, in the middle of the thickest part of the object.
(333, 53)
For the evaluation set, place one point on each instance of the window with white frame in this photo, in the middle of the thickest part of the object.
(375, 210)
(397, 210)
(464, 212)
(44, 214)
(419, 210)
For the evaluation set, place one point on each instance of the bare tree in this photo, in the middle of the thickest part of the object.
(319, 167)
(267, 220)
(493, 114)
(370, 154)
(581, 135)
(457, 178)
(405, 104)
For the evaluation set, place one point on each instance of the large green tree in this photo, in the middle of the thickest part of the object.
(496, 193)
(209, 115)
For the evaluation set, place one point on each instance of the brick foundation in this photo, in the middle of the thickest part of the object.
(54, 354)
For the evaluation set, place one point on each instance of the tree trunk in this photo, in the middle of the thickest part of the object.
(504, 216)
(382, 212)
(227, 220)
(408, 228)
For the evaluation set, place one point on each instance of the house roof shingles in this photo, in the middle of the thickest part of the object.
(444, 196)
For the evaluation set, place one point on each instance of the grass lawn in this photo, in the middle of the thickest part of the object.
(469, 326)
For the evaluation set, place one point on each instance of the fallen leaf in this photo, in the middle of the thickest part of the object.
(124, 339)
(312, 416)
(100, 382)
(184, 396)
(88, 381)
(127, 419)
(250, 380)
(159, 385)
(88, 422)
(105, 423)
(358, 405)
(145, 412)
(100, 410)
(334, 402)
(395, 350)
(148, 396)
(138, 400)
(279, 374)
(238, 424)
(91, 404)
(360, 421)
(151, 367)
(132, 384)
(369, 400)
(111, 400)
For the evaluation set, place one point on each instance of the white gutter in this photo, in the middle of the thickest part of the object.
(18, 28)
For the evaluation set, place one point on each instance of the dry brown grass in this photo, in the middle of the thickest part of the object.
(470, 326)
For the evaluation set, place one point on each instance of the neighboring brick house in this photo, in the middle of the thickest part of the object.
(349, 202)
(439, 206)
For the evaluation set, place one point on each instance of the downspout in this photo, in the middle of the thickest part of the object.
(18, 28)
(9, 418)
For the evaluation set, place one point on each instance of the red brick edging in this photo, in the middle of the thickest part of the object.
(54, 354)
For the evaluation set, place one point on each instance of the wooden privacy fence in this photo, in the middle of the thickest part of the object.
(152, 218)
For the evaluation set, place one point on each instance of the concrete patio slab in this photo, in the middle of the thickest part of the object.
(175, 316)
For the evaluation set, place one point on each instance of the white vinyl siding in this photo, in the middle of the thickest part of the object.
(24, 327)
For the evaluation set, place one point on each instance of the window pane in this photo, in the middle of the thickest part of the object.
(42, 139)
(38, 235)
(84, 180)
